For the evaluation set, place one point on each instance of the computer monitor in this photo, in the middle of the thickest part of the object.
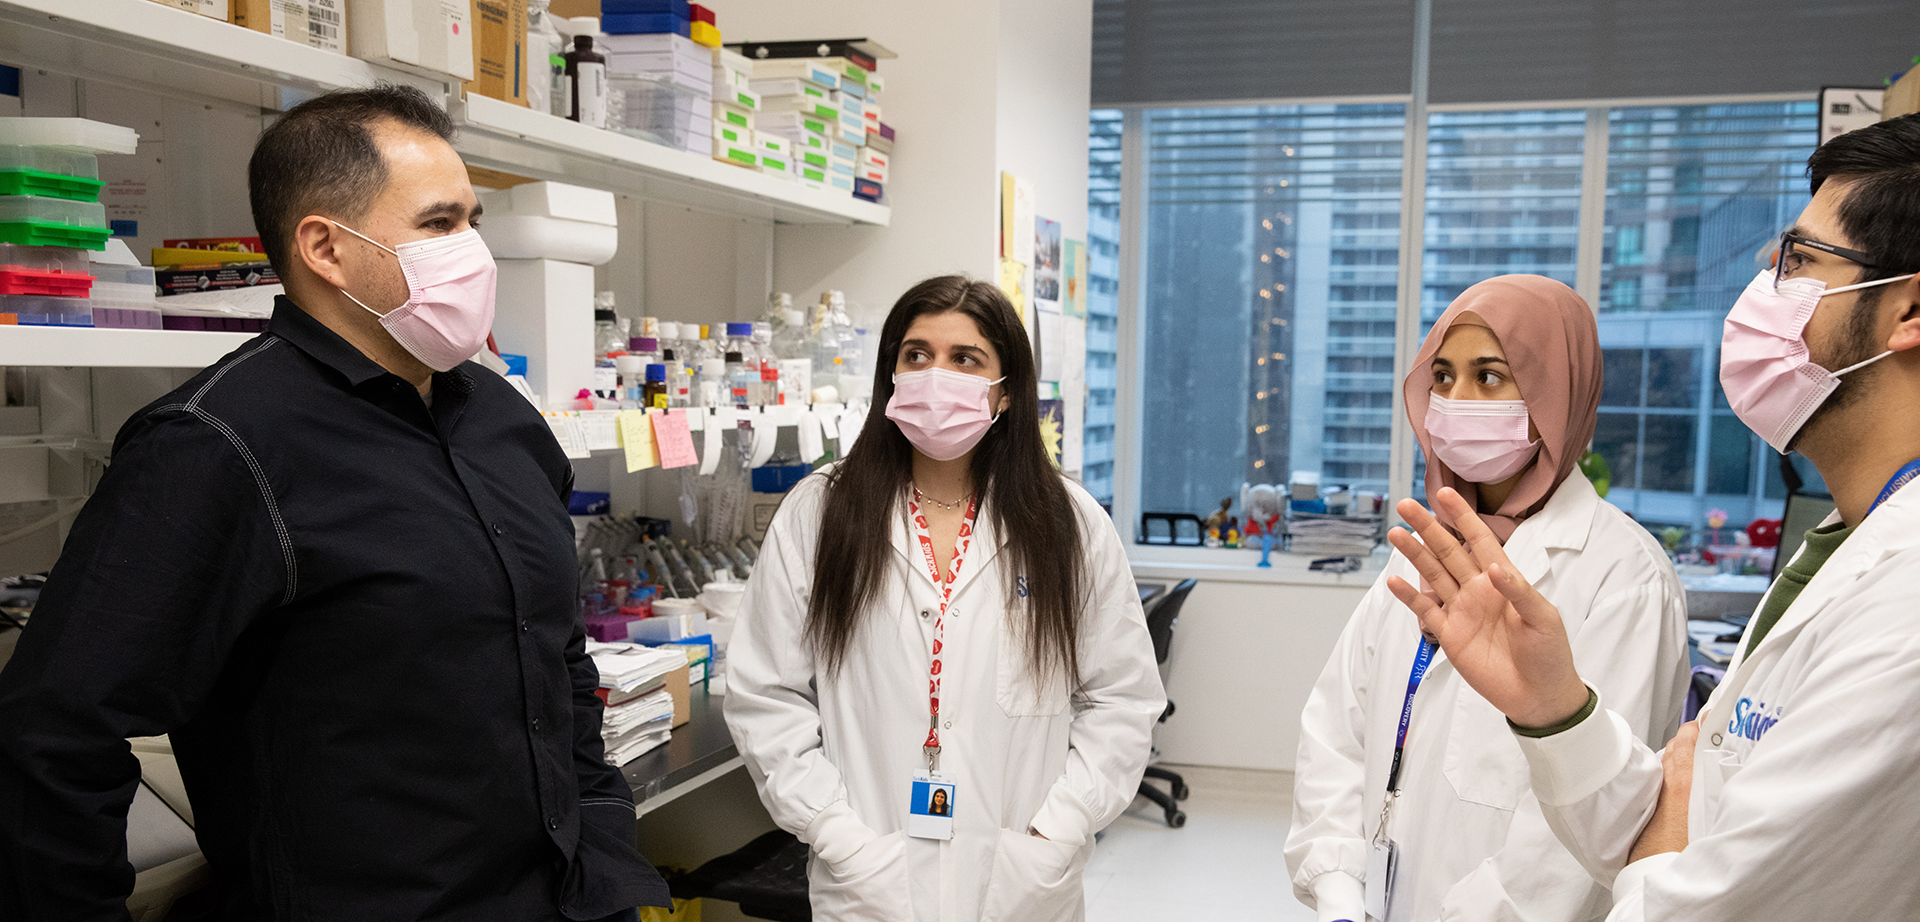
(1805, 511)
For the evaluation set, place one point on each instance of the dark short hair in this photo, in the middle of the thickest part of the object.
(1881, 213)
(320, 158)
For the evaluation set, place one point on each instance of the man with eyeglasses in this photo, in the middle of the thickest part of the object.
(1796, 793)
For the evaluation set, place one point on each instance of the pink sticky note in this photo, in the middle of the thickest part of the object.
(676, 443)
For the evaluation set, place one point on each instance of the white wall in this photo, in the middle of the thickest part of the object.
(1244, 657)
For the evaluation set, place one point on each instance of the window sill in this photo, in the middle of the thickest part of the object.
(1241, 565)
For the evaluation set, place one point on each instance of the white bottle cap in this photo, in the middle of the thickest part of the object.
(669, 330)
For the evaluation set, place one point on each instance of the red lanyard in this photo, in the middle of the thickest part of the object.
(945, 588)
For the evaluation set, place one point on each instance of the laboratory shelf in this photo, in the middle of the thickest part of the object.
(519, 140)
(105, 348)
(144, 45)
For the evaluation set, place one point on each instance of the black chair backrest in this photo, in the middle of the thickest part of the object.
(1161, 616)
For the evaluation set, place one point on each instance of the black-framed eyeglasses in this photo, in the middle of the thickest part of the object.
(1786, 256)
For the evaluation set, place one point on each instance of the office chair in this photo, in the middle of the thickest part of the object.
(766, 877)
(1161, 617)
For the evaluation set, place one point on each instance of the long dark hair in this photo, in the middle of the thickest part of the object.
(1014, 478)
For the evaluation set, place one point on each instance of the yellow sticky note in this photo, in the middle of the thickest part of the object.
(636, 436)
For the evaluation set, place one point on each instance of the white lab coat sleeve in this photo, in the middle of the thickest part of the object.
(1597, 784)
(1631, 648)
(772, 706)
(1818, 822)
(1326, 847)
(1120, 697)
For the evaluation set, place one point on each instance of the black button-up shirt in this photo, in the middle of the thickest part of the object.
(355, 616)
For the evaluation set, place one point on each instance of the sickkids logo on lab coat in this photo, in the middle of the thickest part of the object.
(1752, 721)
(1020, 586)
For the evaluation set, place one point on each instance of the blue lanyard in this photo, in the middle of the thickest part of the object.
(1900, 479)
(1421, 661)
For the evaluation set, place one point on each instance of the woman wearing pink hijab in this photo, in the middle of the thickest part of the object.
(1412, 801)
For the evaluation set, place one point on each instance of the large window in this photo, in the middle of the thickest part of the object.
(1267, 322)
(1268, 263)
(1103, 301)
(1695, 197)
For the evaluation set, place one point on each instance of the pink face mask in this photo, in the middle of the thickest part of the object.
(1771, 382)
(943, 413)
(1484, 441)
(450, 289)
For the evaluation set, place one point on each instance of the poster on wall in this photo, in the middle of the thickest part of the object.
(1073, 263)
(1843, 109)
(1046, 265)
(1053, 425)
(1016, 220)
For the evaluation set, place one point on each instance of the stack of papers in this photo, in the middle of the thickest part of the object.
(628, 666)
(1332, 536)
(639, 709)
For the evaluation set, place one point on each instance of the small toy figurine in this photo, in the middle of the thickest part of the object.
(1266, 549)
(1233, 536)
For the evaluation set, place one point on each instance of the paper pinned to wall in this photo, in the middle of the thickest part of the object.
(1073, 264)
(1053, 352)
(1047, 274)
(636, 436)
(765, 435)
(566, 431)
(601, 428)
(675, 440)
(1013, 284)
(1073, 392)
(812, 446)
(1016, 219)
(710, 445)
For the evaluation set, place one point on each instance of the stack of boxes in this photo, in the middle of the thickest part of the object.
(664, 78)
(828, 109)
(51, 219)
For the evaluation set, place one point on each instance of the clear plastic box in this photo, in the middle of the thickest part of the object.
(75, 133)
(35, 310)
(654, 109)
(53, 171)
(124, 306)
(141, 276)
(39, 220)
(47, 271)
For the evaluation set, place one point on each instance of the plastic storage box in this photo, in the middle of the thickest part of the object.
(39, 220)
(36, 310)
(50, 171)
(74, 133)
(48, 271)
(123, 298)
(655, 109)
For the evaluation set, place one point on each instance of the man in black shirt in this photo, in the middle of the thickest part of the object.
(337, 568)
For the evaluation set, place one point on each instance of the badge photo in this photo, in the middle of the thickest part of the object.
(930, 812)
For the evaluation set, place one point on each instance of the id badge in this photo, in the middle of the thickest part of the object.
(930, 812)
(1382, 860)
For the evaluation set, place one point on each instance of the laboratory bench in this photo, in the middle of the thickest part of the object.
(697, 753)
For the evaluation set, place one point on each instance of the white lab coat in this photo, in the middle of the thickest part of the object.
(1473, 844)
(1806, 777)
(833, 758)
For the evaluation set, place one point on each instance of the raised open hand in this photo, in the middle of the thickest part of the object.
(1501, 634)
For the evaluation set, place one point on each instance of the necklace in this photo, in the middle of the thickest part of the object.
(944, 505)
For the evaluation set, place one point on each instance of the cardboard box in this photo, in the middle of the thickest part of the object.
(790, 67)
(214, 9)
(433, 38)
(500, 61)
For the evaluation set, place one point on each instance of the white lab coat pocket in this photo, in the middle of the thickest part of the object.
(870, 886)
(1712, 769)
(1019, 691)
(1034, 880)
(1483, 765)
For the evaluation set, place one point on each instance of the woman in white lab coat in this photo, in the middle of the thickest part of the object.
(942, 607)
(1503, 398)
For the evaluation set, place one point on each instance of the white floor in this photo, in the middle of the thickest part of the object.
(1226, 863)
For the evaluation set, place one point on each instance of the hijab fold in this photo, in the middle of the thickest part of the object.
(1553, 349)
